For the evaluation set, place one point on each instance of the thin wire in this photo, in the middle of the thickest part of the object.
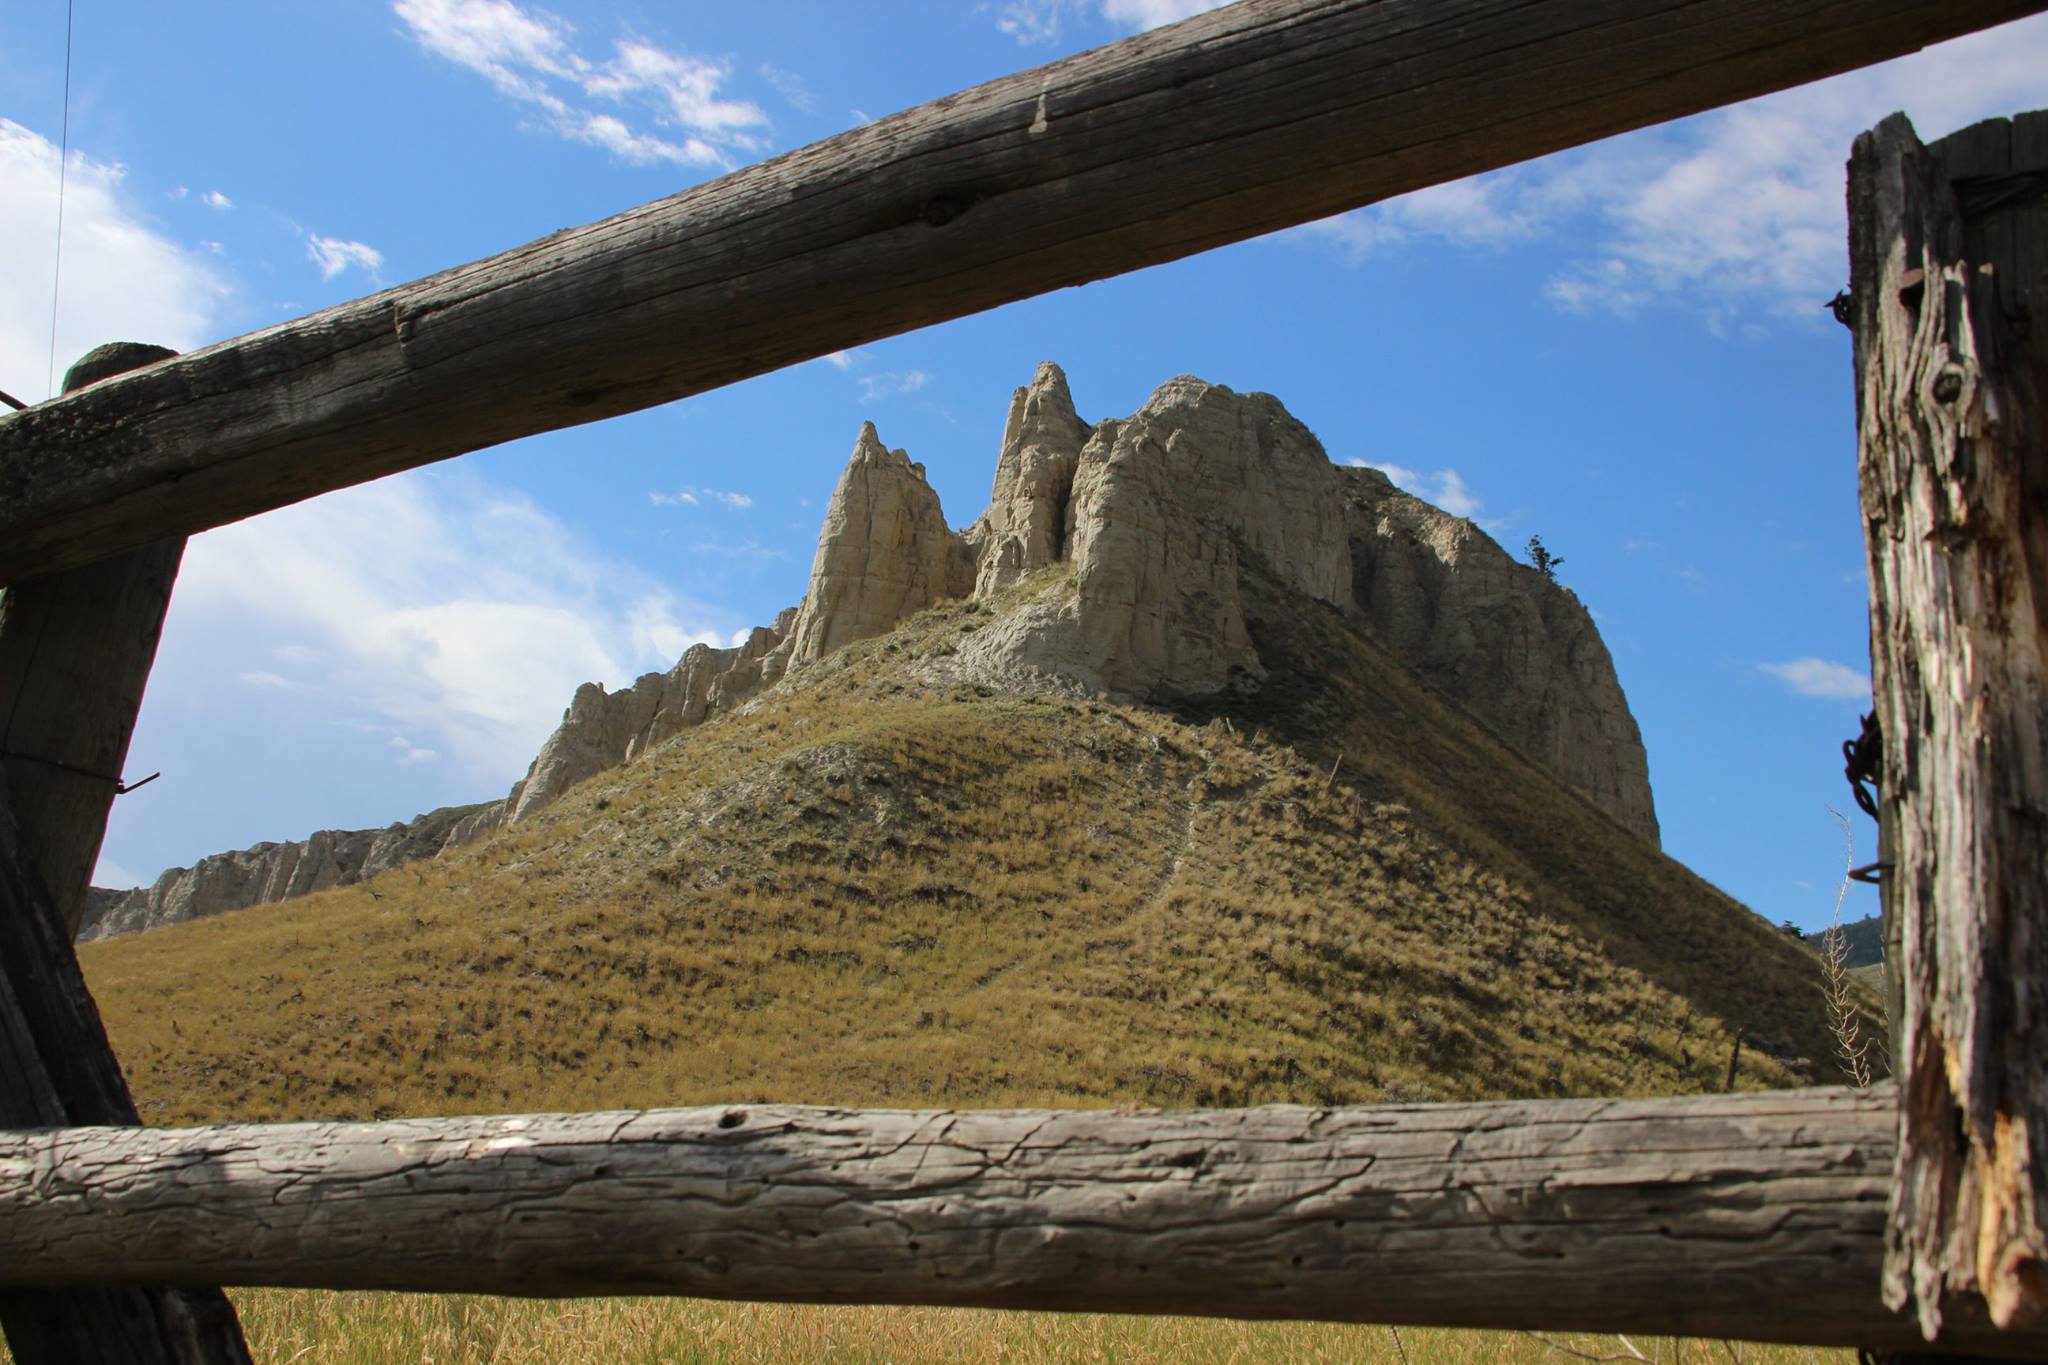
(63, 165)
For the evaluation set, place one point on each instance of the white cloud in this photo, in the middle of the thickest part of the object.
(121, 278)
(114, 877)
(843, 360)
(432, 608)
(410, 753)
(263, 677)
(892, 384)
(1153, 13)
(530, 56)
(1032, 22)
(333, 255)
(692, 497)
(1035, 22)
(1453, 496)
(789, 85)
(1734, 211)
(1446, 488)
(214, 199)
(1812, 677)
(496, 39)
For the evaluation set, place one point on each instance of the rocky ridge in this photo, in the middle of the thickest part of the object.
(1158, 516)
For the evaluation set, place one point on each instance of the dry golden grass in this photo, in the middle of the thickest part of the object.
(882, 889)
(895, 886)
(311, 1327)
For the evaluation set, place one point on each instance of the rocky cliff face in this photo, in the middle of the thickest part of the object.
(1025, 527)
(1500, 639)
(1164, 506)
(601, 730)
(274, 872)
(1158, 515)
(884, 554)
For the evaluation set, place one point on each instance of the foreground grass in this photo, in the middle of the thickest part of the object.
(317, 1327)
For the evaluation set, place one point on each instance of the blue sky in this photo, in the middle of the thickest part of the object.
(1622, 349)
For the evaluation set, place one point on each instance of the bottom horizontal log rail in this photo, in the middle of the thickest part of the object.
(1757, 1216)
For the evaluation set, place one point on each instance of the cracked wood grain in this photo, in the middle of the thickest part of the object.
(1757, 1215)
(1949, 275)
(75, 652)
(1246, 120)
(76, 648)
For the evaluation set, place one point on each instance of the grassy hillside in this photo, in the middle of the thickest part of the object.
(888, 885)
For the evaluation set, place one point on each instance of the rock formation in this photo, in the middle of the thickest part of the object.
(1506, 643)
(1159, 515)
(281, 871)
(601, 730)
(1164, 506)
(1025, 526)
(885, 553)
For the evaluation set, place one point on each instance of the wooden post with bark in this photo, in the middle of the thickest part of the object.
(1949, 286)
(75, 653)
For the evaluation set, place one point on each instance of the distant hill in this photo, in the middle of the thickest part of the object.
(1143, 789)
(1862, 942)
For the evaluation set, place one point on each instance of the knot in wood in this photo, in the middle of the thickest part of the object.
(1948, 385)
(942, 209)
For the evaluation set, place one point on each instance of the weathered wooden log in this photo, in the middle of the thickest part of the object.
(1242, 121)
(1751, 1215)
(1949, 275)
(75, 654)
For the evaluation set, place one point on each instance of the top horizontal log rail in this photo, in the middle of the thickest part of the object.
(1248, 119)
(1757, 1215)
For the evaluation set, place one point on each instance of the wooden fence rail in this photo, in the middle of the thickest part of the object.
(1252, 118)
(1757, 1216)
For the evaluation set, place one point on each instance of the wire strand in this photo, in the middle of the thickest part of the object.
(63, 166)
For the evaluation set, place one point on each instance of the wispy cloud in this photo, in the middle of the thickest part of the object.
(1037, 22)
(214, 199)
(1730, 213)
(741, 549)
(1814, 677)
(790, 86)
(447, 612)
(122, 277)
(692, 497)
(1446, 488)
(531, 56)
(1153, 13)
(333, 255)
(892, 384)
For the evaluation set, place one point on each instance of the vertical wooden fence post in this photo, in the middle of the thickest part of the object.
(75, 654)
(1949, 283)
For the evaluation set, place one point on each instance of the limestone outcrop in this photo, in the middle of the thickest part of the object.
(1158, 515)
(601, 730)
(282, 871)
(1025, 527)
(885, 553)
(1165, 505)
(1506, 643)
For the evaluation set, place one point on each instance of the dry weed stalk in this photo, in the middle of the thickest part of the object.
(1852, 1049)
(1628, 1348)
